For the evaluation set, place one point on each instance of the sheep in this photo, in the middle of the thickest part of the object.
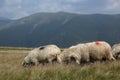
(116, 50)
(41, 54)
(99, 50)
(79, 53)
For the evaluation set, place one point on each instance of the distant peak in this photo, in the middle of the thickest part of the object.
(61, 12)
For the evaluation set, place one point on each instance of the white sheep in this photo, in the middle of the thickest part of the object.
(41, 54)
(85, 52)
(116, 50)
(78, 52)
(100, 50)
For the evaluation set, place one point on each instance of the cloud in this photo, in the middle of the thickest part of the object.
(75, 1)
(59, 5)
(16, 9)
(13, 12)
(12, 2)
(13, 9)
(19, 8)
(20, 15)
(113, 5)
(54, 6)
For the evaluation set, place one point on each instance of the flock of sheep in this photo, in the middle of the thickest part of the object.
(80, 53)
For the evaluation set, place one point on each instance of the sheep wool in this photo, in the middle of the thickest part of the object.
(100, 50)
(116, 50)
(41, 54)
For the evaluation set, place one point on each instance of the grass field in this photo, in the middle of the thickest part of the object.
(11, 69)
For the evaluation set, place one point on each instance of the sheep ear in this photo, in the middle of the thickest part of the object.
(41, 48)
(62, 50)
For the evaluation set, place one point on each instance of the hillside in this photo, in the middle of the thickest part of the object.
(4, 22)
(62, 29)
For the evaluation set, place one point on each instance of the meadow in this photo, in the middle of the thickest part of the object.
(11, 69)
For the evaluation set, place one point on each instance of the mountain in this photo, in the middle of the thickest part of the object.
(61, 28)
(4, 22)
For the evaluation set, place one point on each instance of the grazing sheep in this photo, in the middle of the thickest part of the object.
(100, 50)
(116, 50)
(79, 53)
(41, 55)
(63, 57)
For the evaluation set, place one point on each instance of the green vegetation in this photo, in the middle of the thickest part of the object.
(11, 69)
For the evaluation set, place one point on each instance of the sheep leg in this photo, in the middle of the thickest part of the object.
(110, 56)
(77, 61)
(59, 60)
(50, 60)
(35, 61)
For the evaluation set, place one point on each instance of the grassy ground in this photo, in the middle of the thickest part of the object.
(14, 48)
(11, 69)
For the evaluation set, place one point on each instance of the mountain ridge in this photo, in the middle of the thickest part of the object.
(61, 28)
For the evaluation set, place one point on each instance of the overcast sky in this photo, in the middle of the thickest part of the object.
(16, 9)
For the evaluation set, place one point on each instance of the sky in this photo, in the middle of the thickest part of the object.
(16, 9)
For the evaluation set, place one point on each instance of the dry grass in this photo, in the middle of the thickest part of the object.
(11, 69)
(14, 48)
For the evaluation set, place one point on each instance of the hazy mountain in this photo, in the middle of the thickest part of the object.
(62, 29)
(4, 21)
